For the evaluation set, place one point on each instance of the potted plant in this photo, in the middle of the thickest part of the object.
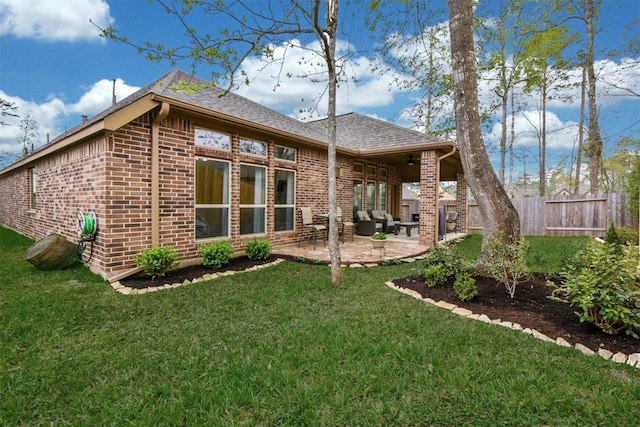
(378, 239)
(451, 224)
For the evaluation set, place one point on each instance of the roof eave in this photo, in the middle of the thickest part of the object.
(248, 124)
(111, 122)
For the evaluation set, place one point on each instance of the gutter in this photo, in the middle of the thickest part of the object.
(155, 173)
(440, 158)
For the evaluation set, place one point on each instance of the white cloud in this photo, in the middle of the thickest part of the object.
(52, 115)
(295, 81)
(53, 20)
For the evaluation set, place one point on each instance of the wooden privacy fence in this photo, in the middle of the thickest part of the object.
(564, 216)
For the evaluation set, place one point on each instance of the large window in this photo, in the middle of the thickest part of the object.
(371, 196)
(252, 199)
(285, 208)
(357, 196)
(212, 199)
(382, 196)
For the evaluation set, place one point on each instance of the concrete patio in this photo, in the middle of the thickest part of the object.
(359, 251)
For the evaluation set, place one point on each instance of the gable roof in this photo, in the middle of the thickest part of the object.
(357, 133)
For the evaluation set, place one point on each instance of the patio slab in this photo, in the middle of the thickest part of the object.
(358, 251)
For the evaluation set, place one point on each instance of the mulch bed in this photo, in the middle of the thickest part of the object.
(141, 281)
(531, 308)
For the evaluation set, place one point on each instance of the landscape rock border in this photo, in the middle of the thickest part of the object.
(631, 359)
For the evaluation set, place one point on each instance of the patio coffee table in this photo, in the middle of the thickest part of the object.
(408, 226)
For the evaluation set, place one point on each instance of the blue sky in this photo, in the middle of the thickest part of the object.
(54, 65)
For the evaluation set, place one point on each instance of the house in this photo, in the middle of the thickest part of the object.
(172, 166)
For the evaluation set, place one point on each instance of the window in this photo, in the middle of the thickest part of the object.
(212, 199)
(252, 199)
(382, 196)
(255, 148)
(371, 196)
(382, 172)
(212, 139)
(285, 208)
(285, 153)
(358, 168)
(357, 196)
(371, 171)
(32, 188)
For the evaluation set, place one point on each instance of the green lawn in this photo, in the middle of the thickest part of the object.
(280, 346)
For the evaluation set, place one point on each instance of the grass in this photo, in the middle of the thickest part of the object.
(279, 346)
(545, 255)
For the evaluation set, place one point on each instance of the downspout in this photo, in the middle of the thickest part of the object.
(155, 173)
(440, 158)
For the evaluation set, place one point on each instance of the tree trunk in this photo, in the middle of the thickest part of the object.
(583, 87)
(542, 174)
(328, 38)
(595, 140)
(496, 209)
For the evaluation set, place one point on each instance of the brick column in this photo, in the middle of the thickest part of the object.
(429, 181)
(461, 203)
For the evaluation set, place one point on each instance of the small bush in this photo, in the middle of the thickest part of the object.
(627, 236)
(507, 263)
(156, 262)
(257, 249)
(465, 286)
(215, 254)
(434, 275)
(447, 258)
(602, 280)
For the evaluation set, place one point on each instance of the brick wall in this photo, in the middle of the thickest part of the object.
(111, 175)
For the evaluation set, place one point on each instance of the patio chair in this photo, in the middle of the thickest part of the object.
(366, 226)
(307, 223)
(451, 218)
(345, 224)
(390, 224)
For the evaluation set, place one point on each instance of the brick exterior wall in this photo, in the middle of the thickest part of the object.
(111, 175)
(429, 196)
(461, 203)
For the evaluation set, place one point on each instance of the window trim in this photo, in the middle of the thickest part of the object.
(253, 141)
(205, 206)
(295, 154)
(245, 206)
(32, 179)
(281, 206)
(211, 147)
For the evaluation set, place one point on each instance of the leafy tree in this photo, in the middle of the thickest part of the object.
(503, 66)
(255, 29)
(417, 46)
(543, 71)
(498, 213)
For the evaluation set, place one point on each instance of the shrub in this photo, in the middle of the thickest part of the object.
(465, 286)
(602, 281)
(257, 249)
(156, 261)
(505, 262)
(215, 254)
(447, 258)
(379, 235)
(434, 275)
(611, 236)
(628, 236)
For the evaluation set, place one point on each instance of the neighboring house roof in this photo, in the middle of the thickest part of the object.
(356, 132)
